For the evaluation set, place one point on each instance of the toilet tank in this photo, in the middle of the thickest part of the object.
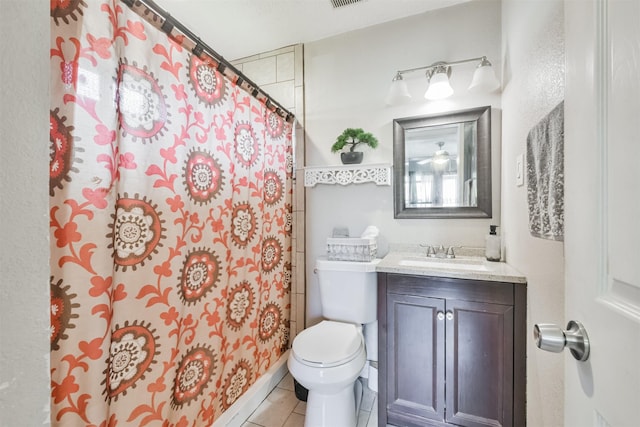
(348, 290)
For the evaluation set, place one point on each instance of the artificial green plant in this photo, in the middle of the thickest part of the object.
(354, 137)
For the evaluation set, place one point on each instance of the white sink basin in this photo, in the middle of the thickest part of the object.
(445, 263)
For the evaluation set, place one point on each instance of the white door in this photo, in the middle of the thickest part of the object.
(602, 217)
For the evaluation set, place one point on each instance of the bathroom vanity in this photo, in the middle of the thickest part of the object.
(452, 337)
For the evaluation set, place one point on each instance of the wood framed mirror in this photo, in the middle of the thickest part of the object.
(442, 165)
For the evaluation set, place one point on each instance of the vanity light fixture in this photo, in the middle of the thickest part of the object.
(484, 79)
(398, 91)
(438, 78)
(438, 74)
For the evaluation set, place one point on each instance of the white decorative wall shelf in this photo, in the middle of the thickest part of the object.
(347, 174)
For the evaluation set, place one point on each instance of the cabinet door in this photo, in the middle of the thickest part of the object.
(415, 359)
(479, 339)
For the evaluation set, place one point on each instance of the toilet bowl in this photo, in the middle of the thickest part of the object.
(327, 359)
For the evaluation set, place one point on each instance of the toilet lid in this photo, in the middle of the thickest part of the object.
(328, 344)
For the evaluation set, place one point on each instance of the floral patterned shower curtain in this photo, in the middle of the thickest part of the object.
(170, 225)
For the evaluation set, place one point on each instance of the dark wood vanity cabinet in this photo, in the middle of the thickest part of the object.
(451, 351)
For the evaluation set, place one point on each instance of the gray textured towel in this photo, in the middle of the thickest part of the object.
(545, 176)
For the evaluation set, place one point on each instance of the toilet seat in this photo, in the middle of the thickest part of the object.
(328, 344)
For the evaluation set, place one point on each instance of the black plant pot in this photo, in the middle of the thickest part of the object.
(351, 157)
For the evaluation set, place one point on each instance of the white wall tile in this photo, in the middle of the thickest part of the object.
(299, 64)
(245, 59)
(293, 331)
(300, 273)
(261, 72)
(285, 67)
(300, 149)
(278, 51)
(299, 101)
(300, 309)
(294, 282)
(300, 230)
(281, 92)
(299, 191)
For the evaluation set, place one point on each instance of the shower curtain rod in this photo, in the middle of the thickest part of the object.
(168, 23)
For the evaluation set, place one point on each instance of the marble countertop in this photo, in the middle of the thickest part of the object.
(416, 263)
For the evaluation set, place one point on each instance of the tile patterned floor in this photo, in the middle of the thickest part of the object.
(281, 408)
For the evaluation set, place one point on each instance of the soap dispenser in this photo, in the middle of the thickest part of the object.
(492, 244)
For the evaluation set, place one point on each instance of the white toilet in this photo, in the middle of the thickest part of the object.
(328, 358)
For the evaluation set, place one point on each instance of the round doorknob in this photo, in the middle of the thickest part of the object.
(550, 337)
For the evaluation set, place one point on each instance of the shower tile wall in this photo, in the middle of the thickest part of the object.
(280, 73)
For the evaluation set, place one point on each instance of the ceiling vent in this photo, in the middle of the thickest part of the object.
(341, 3)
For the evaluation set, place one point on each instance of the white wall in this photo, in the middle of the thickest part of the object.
(533, 60)
(346, 81)
(24, 205)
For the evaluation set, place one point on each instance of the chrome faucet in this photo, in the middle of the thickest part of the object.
(431, 252)
(450, 253)
(439, 252)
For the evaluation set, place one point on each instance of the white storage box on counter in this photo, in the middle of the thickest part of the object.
(363, 249)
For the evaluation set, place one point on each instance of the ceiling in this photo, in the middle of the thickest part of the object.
(240, 28)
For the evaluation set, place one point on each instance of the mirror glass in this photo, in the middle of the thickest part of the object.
(442, 165)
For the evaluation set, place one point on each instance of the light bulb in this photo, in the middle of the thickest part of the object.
(398, 92)
(484, 79)
(439, 86)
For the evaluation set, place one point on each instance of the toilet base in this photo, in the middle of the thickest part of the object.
(335, 410)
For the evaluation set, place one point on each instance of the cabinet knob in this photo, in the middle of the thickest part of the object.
(449, 315)
(440, 315)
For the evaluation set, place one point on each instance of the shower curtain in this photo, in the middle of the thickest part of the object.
(170, 221)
